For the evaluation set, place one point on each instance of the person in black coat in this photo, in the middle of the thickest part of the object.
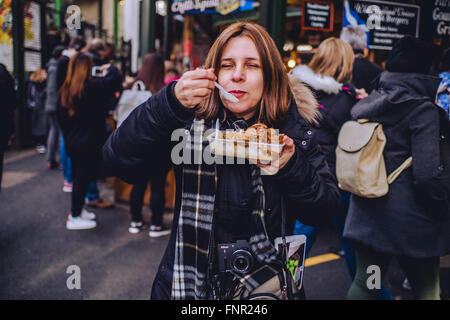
(8, 106)
(412, 221)
(336, 96)
(226, 195)
(81, 115)
(36, 96)
(333, 90)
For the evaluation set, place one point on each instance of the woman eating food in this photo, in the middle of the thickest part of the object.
(221, 206)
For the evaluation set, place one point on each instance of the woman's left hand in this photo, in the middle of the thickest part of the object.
(286, 154)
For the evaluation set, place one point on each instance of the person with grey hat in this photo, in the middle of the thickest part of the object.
(412, 221)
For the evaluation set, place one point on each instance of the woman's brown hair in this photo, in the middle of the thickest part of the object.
(334, 57)
(40, 75)
(78, 72)
(151, 73)
(277, 95)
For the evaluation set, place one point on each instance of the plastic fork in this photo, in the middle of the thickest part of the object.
(226, 94)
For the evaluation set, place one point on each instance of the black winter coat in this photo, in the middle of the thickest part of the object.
(413, 219)
(364, 73)
(85, 132)
(305, 182)
(36, 96)
(335, 102)
(8, 106)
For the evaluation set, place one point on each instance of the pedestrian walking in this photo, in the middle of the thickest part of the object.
(36, 96)
(412, 221)
(96, 49)
(7, 108)
(92, 198)
(151, 74)
(364, 71)
(82, 119)
(51, 106)
(215, 202)
(76, 44)
(329, 76)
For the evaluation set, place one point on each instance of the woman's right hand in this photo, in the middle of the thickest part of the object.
(195, 86)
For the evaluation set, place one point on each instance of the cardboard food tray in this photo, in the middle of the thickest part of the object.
(241, 149)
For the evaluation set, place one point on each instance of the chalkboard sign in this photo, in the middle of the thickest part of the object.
(440, 18)
(385, 22)
(317, 15)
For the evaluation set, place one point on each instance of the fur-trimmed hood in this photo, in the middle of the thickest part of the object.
(307, 104)
(316, 81)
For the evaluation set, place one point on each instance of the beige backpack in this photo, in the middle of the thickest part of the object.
(360, 167)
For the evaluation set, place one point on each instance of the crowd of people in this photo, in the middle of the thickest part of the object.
(226, 203)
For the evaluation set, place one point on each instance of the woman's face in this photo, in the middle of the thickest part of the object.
(240, 74)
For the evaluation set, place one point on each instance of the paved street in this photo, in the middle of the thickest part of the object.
(36, 249)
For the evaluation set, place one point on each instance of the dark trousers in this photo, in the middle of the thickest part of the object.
(85, 169)
(157, 197)
(53, 138)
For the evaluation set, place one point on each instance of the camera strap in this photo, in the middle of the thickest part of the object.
(211, 252)
(287, 285)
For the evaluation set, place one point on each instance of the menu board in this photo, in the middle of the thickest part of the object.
(440, 18)
(317, 15)
(385, 22)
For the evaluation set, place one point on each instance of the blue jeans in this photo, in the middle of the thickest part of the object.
(308, 231)
(92, 193)
(66, 163)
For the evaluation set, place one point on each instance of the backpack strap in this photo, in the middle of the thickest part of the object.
(406, 164)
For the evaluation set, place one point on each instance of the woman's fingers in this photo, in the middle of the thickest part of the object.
(201, 83)
(194, 86)
(202, 92)
(202, 74)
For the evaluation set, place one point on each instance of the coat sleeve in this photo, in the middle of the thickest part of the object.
(8, 107)
(142, 139)
(426, 164)
(307, 185)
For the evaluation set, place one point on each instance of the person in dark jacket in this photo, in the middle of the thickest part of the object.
(222, 203)
(329, 76)
(7, 108)
(36, 96)
(364, 71)
(411, 222)
(50, 108)
(77, 44)
(151, 74)
(97, 51)
(81, 115)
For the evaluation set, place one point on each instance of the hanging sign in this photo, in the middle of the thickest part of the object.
(317, 15)
(440, 18)
(384, 22)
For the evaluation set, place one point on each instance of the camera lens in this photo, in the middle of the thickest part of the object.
(241, 261)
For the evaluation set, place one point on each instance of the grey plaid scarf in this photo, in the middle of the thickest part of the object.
(199, 184)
